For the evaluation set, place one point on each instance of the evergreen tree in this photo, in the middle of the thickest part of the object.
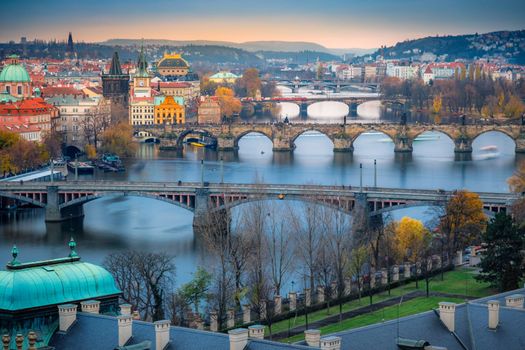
(502, 263)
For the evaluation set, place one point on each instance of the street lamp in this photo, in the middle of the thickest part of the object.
(360, 177)
(375, 173)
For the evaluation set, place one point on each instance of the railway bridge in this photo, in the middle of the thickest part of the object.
(343, 136)
(64, 200)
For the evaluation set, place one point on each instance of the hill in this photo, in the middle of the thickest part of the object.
(506, 44)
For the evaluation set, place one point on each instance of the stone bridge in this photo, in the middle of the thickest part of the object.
(283, 135)
(64, 200)
(303, 103)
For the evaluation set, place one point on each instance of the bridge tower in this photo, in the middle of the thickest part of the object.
(303, 110)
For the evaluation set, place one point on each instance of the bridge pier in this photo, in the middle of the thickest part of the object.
(169, 145)
(343, 144)
(53, 211)
(520, 141)
(463, 144)
(303, 110)
(402, 144)
(204, 219)
(360, 220)
(226, 143)
(282, 144)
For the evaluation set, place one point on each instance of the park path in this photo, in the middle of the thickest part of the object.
(359, 311)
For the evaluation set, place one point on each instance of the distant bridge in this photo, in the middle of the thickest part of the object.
(332, 84)
(283, 135)
(64, 200)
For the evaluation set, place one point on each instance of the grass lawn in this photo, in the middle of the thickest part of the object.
(410, 307)
(460, 281)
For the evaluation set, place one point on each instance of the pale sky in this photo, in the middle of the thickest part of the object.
(332, 23)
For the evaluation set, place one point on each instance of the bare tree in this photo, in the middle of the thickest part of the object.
(95, 122)
(144, 278)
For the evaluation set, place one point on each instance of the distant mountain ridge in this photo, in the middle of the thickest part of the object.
(252, 46)
(508, 44)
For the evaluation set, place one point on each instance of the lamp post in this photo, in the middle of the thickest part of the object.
(76, 166)
(52, 165)
(202, 172)
(360, 177)
(375, 173)
(222, 171)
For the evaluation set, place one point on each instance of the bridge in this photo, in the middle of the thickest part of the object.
(343, 136)
(64, 200)
(304, 102)
(332, 84)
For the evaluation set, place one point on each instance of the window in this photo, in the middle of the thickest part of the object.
(8, 89)
(19, 89)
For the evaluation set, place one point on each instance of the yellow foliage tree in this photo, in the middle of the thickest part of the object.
(517, 184)
(118, 139)
(229, 104)
(437, 104)
(463, 221)
(514, 107)
(412, 237)
(91, 151)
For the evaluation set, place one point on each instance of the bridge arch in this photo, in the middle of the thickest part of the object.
(311, 128)
(88, 198)
(22, 199)
(372, 129)
(185, 133)
(433, 129)
(318, 104)
(71, 151)
(246, 132)
(496, 131)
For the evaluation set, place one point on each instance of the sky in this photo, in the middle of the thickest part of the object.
(332, 23)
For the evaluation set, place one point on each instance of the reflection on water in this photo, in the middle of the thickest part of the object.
(116, 223)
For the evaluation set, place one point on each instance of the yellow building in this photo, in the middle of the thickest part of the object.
(170, 112)
(172, 65)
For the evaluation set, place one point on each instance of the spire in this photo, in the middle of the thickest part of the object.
(14, 253)
(142, 64)
(115, 65)
(72, 245)
(70, 48)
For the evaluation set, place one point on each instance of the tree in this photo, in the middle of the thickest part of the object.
(96, 122)
(229, 104)
(502, 261)
(197, 289)
(463, 221)
(358, 258)
(517, 185)
(118, 139)
(53, 143)
(208, 87)
(145, 279)
(249, 85)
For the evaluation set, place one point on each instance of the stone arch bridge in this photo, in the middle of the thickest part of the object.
(283, 135)
(64, 200)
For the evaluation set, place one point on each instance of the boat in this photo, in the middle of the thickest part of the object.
(80, 167)
(489, 152)
(203, 141)
(197, 144)
(110, 162)
(489, 148)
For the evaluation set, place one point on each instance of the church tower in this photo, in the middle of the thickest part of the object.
(115, 84)
(141, 80)
(70, 49)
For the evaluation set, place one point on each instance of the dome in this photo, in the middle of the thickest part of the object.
(173, 61)
(14, 73)
(53, 282)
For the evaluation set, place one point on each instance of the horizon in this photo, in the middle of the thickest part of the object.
(334, 24)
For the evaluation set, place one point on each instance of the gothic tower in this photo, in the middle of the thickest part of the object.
(115, 84)
(70, 50)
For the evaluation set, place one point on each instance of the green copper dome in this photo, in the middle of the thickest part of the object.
(52, 282)
(14, 73)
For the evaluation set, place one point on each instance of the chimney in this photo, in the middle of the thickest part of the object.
(312, 337)
(90, 306)
(493, 307)
(515, 301)
(125, 323)
(6, 341)
(256, 331)
(162, 334)
(31, 339)
(447, 314)
(19, 341)
(331, 343)
(67, 315)
(125, 309)
(238, 338)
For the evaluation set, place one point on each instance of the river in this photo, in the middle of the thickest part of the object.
(116, 223)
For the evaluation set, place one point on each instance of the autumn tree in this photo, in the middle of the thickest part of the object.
(229, 104)
(249, 85)
(502, 263)
(196, 290)
(462, 222)
(517, 185)
(118, 139)
(52, 141)
(207, 86)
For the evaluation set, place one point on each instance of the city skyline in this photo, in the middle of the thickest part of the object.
(332, 23)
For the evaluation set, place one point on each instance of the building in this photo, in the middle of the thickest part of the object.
(172, 65)
(27, 132)
(403, 72)
(209, 111)
(34, 113)
(40, 296)
(169, 112)
(14, 79)
(224, 78)
(78, 117)
(495, 322)
(141, 107)
(115, 84)
(186, 90)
